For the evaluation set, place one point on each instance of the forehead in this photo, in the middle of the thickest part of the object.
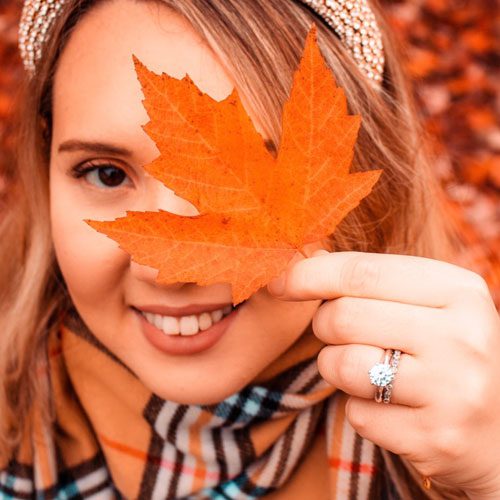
(96, 87)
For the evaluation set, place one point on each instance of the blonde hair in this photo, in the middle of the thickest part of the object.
(260, 44)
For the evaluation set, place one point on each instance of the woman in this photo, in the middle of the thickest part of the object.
(91, 404)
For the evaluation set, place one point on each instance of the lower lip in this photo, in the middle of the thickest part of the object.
(186, 344)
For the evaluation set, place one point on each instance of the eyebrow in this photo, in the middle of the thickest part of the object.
(93, 147)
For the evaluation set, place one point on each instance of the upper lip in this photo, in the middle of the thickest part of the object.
(181, 311)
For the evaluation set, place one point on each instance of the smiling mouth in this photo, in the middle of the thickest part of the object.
(189, 324)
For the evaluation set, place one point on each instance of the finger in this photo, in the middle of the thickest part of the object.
(392, 427)
(401, 278)
(382, 323)
(347, 367)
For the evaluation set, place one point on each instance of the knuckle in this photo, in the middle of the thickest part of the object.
(476, 391)
(448, 442)
(476, 284)
(478, 348)
(475, 337)
(360, 274)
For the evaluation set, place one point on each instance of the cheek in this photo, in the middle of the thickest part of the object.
(280, 322)
(92, 265)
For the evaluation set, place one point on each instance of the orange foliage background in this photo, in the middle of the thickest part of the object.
(451, 51)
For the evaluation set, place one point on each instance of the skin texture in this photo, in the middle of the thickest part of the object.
(97, 98)
(444, 415)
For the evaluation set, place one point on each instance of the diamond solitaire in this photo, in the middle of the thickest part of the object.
(381, 374)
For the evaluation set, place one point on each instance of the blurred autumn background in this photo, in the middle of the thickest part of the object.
(452, 51)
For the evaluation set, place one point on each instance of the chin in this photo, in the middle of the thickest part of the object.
(207, 392)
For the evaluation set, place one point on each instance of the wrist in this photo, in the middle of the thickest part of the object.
(489, 494)
(487, 486)
(476, 496)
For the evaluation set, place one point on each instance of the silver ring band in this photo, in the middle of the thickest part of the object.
(387, 391)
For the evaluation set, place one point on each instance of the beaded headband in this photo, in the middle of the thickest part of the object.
(352, 20)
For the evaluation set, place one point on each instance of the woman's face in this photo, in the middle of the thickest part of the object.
(97, 118)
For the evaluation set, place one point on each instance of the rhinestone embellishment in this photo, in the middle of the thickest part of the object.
(37, 18)
(352, 20)
(355, 23)
(381, 375)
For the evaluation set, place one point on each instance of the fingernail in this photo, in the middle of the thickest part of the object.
(277, 285)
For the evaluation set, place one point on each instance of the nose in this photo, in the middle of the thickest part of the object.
(144, 273)
(161, 197)
(148, 274)
(158, 196)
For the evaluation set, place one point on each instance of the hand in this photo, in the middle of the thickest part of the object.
(444, 415)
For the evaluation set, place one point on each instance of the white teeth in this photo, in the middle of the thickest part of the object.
(158, 321)
(170, 325)
(216, 315)
(186, 325)
(205, 321)
(189, 325)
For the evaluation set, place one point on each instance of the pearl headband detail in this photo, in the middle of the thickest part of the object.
(352, 20)
(355, 24)
(37, 18)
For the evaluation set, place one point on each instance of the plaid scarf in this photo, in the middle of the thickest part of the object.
(113, 438)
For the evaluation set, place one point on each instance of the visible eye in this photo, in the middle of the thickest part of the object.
(104, 175)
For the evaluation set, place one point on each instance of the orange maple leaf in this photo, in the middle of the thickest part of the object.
(256, 211)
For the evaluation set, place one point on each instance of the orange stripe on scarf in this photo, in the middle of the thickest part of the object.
(338, 463)
(144, 457)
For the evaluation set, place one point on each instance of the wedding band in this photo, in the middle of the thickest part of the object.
(381, 375)
(387, 391)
